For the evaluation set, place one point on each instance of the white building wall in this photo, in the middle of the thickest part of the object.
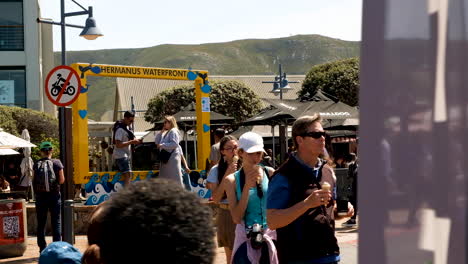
(31, 48)
(37, 57)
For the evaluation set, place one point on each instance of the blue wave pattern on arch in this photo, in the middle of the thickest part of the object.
(101, 186)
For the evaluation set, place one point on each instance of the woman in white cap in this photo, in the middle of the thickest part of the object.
(246, 191)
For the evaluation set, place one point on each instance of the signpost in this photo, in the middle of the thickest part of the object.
(62, 85)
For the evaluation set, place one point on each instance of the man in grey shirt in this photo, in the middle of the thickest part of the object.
(123, 138)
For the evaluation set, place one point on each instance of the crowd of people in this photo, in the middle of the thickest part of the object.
(282, 216)
(147, 221)
(264, 215)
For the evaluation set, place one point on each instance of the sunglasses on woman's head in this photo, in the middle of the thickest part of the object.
(315, 134)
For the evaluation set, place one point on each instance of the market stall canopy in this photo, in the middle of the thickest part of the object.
(320, 103)
(269, 116)
(334, 113)
(8, 141)
(188, 116)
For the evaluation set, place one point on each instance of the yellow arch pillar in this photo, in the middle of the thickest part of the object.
(202, 99)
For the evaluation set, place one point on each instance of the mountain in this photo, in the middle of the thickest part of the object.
(297, 54)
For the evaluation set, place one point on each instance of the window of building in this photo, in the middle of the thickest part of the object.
(11, 25)
(13, 86)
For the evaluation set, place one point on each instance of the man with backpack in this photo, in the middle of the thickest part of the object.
(47, 177)
(123, 139)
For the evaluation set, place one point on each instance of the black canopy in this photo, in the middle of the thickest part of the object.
(320, 103)
(334, 113)
(188, 117)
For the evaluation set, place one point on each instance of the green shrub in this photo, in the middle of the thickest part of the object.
(41, 126)
(230, 98)
(338, 78)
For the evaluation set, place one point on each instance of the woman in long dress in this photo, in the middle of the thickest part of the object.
(168, 139)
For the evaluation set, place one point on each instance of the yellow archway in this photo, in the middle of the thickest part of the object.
(82, 175)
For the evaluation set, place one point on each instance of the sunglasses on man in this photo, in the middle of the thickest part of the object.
(46, 149)
(315, 134)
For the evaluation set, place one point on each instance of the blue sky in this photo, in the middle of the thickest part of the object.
(146, 23)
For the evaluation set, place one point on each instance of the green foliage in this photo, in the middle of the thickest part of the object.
(251, 56)
(41, 126)
(230, 98)
(338, 78)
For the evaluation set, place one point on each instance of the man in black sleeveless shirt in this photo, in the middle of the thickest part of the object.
(302, 213)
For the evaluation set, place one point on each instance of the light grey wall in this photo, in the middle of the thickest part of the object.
(47, 64)
(31, 48)
(12, 58)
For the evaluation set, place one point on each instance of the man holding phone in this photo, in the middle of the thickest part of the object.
(123, 139)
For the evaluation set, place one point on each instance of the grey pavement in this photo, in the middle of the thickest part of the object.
(347, 239)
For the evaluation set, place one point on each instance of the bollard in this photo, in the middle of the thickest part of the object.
(14, 231)
(68, 219)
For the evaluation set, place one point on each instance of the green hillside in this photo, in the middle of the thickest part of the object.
(297, 54)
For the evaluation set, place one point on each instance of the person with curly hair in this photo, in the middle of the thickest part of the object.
(151, 221)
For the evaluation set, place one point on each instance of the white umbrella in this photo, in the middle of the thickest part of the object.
(26, 163)
(8, 141)
(8, 152)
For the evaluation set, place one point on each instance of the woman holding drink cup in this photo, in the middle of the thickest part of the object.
(246, 191)
(227, 165)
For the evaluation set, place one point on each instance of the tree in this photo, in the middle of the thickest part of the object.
(338, 78)
(230, 98)
(41, 126)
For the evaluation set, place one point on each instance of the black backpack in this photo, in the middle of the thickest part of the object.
(45, 179)
(120, 124)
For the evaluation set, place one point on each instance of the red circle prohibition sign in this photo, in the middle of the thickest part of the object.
(66, 81)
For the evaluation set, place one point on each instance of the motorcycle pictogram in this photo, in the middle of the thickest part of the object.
(59, 84)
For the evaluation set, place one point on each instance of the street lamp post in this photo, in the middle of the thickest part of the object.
(280, 84)
(90, 32)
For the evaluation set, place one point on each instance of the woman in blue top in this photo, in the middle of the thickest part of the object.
(168, 139)
(246, 191)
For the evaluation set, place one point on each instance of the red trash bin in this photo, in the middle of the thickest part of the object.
(13, 231)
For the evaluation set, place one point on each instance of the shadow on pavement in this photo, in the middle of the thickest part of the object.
(346, 230)
(21, 261)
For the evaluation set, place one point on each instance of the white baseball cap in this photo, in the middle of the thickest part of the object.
(251, 142)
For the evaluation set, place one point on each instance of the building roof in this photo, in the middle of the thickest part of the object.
(143, 90)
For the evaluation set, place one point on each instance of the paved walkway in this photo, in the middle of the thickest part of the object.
(347, 239)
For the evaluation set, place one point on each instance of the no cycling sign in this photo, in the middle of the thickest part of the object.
(62, 85)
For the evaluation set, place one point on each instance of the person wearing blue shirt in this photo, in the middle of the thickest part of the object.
(301, 212)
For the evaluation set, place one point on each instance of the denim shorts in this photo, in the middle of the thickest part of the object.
(123, 164)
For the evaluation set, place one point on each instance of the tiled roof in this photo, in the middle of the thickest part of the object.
(143, 90)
